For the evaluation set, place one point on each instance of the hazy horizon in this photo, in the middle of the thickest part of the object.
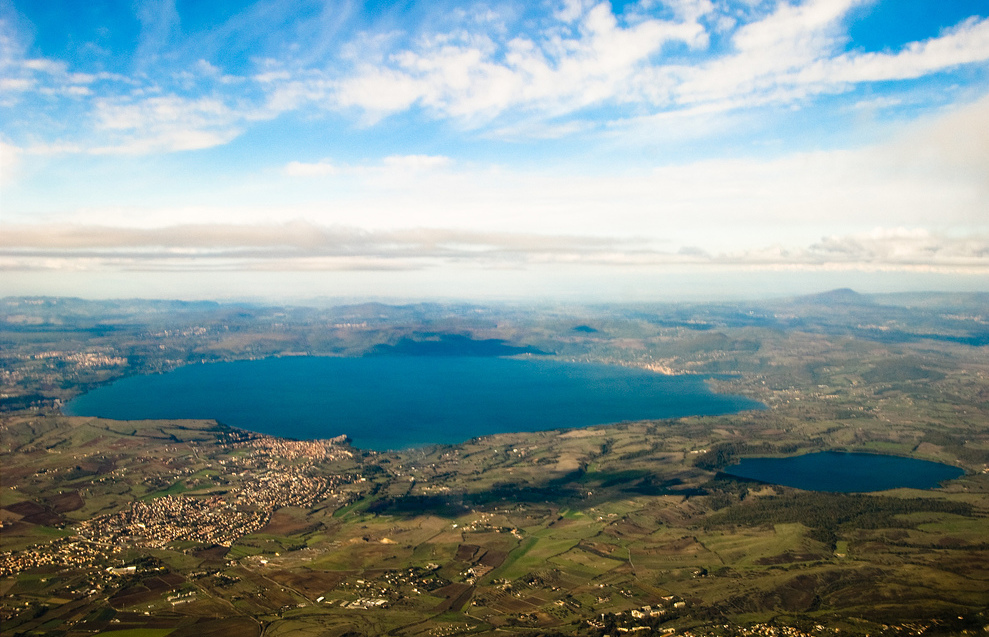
(738, 287)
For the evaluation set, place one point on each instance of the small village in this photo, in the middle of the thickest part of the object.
(263, 474)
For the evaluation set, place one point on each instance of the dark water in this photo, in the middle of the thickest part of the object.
(395, 402)
(845, 472)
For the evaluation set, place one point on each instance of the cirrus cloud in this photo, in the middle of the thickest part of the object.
(581, 68)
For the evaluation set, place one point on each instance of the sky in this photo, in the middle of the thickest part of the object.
(289, 149)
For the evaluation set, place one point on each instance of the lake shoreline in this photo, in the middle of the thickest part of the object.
(844, 471)
(465, 397)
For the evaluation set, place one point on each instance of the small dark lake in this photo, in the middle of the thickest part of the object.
(845, 472)
(394, 402)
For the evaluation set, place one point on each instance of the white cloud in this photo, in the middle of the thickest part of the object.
(587, 59)
(379, 90)
(164, 124)
(474, 78)
(416, 162)
(766, 53)
(10, 160)
(546, 76)
(556, 75)
(47, 150)
(281, 245)
(570, 10)
(903, 247)
(159, 21)
(318, 169)
(956, 144)
(967, 43)
(878, 103)
(302, 246)
(16, 84)
(389, 169)
(47, 66)
(934, 177)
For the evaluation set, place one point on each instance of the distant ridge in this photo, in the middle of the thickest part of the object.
(841, 296)
(453, 345)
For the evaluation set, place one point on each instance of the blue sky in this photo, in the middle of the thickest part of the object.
(500, 149)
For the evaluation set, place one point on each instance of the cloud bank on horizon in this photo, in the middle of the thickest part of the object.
(286, 136)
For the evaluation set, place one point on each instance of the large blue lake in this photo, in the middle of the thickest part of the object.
(396, 402)
(845, 472)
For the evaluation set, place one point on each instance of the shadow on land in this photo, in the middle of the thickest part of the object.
(578, 487)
